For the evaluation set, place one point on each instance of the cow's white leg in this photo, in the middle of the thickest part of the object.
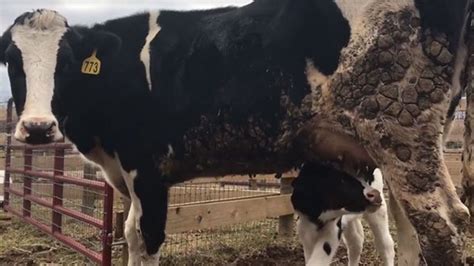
(353, 237)
(326, 245)
(378, 222)
(409, 250)
(134, 253)
(150, 204)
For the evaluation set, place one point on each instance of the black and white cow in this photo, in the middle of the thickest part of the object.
(161, 97)
(330, 204)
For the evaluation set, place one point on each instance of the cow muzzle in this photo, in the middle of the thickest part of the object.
(38, 130)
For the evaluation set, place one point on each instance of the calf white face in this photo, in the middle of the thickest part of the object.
(31, 49)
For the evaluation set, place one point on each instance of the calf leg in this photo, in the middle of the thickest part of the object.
(353, 236)
(326, 245)
(409, 250)
(308, 234)
(320, 242)
(378, 222)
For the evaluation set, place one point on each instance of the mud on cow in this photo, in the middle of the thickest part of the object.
(162, 97)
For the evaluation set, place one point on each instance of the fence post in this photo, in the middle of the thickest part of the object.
(286, 222)
(253, 185)
(58, 188)
(8, 154)
(88, 197)
(27, 165)
(107, 229)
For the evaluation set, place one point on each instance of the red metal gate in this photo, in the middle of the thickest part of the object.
(39, 195)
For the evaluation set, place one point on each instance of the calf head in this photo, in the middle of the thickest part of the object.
(323, 193)
(44, 57)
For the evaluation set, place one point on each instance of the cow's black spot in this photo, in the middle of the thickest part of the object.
(327, 248)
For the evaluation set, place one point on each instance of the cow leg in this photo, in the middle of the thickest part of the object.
(133, 242)
(378, 222)
(353, 237)
(145, 228)
(413, 165)
(468, 160)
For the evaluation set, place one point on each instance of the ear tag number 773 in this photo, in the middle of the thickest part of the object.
(91, 65)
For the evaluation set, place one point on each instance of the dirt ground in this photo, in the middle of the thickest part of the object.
(22, 244)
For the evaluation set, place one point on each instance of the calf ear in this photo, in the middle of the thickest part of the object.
(105, 43)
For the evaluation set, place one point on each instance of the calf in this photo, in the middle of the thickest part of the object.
(323, 198)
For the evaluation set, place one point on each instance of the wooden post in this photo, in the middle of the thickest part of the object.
(253, 184)
(88, 197)
(286, 222)
(119, 225)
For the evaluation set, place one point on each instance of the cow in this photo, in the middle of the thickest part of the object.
(330, 204)
(160, 97)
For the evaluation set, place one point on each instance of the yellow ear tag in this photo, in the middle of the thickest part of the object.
(91, 65)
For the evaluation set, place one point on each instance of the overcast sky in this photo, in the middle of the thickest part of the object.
(88, 12)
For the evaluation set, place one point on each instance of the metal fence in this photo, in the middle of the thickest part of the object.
(45, 186)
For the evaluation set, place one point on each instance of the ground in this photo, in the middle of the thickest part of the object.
(24, 245)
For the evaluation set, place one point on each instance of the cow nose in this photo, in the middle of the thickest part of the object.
(39, 131)
(374, 197)
(38, 127)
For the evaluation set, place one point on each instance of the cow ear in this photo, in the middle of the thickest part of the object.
(105, 43)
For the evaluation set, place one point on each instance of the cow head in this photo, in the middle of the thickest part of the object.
(44, 56)
(323, 193)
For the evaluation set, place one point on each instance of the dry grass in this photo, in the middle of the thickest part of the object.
(23, 244)
(249, 244)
